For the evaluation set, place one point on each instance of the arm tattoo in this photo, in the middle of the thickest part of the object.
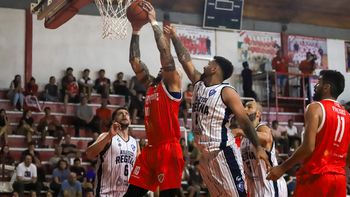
(164, 48)
(181, 51)
(134, 47)
(250, 133)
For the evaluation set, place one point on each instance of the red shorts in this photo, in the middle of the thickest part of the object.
(321, 185)
(160, 165)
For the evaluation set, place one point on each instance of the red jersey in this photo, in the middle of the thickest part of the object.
(161, 115)
(332, 142)
(280, 64)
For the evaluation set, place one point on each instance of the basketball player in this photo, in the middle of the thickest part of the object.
(161, 162)
(213, 104)
(324, 152)
(255, 171)
(116, 152)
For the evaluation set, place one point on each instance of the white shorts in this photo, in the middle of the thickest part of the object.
(222, 172)
(112, 194)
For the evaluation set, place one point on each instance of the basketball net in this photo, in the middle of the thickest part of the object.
(114, 19)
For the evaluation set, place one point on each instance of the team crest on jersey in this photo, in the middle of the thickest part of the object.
(161, 178)
(119, 144)
(133, 147)
(137, 170)
(212, 92)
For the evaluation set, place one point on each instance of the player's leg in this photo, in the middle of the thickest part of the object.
(135, 191)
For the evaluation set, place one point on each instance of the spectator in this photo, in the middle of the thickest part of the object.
(71, 187)
(89, 192)
(68, 148)
(31, 151)
(65, 80)
(293, 135)
(280, 64)
(142, 143)
(186, 103)
(49, 125)
(137, 91)
(26, 178)
(84, 116)
(31, 87)
(102, 84)
(104, 116)
(26, 125)
(195, 180)
(78, 170)
(71, 92)
(5, 156)
(247, 81)
(57, 156)
(15, 93)
(86, 85)
(4, 126)
(184, 149)
(30, 98)
(59, 175)
(280, 135)
(120, 87)
(51, 90)
(307, 67)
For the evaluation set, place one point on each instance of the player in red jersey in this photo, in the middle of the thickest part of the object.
(161, 162)
(325, 151)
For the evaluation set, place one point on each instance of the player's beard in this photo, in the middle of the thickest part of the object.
(252, 116)
(317, 96)
(124, 125)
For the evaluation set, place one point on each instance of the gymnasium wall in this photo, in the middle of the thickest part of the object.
(78, 44)
(12, 40)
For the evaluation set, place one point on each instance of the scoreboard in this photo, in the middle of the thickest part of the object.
(223, 14)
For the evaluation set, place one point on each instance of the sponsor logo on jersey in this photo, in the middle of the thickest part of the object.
(137, 170)
(212, 92)
(240, 186)
(133, 147)
(161, 178)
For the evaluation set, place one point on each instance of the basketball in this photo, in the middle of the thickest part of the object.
(136, 15)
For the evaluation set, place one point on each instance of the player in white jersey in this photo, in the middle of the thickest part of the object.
(116, 152)
(255, 170)
(213, 104)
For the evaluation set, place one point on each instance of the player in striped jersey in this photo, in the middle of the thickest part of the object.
(214, 102)
(325, 150)
(116, 152)
(256, 171)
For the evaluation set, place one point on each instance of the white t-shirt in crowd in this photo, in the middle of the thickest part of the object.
(292, 131)
(26, 172)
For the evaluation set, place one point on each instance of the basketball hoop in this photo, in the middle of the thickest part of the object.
(114, 19)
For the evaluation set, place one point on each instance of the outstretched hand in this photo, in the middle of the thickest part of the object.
(260, 153)
(169, 30)
(147, 6)
(275, 173)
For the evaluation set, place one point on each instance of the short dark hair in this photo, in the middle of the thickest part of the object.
(225, 65)
(335, 79)
(116, 111)
(101, 70)
(86, 70)
(69, 68)
(76, 159)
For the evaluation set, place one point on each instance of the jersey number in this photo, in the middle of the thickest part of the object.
(126, 170)
(340, 129)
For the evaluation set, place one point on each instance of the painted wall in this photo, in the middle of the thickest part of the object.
(78, 44)
(12, 39)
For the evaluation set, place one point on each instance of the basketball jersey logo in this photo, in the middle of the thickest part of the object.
(212, 92)
(137, 170)
(161, 178)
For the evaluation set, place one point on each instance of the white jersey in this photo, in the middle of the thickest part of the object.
(114, 167)
(256, 172)
(210, 117)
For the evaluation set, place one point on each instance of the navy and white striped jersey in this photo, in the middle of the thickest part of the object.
(210, 117)
(114, 167)
(256, 172)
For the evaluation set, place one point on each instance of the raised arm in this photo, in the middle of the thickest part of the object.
(101, 142)
(169, 73)
(140, 69)
(183, 55)
(232, 100)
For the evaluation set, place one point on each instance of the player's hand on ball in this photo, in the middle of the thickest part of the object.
(114, 129)
(169, 30)
(275, 173)
(261, 154)
(150, 10)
